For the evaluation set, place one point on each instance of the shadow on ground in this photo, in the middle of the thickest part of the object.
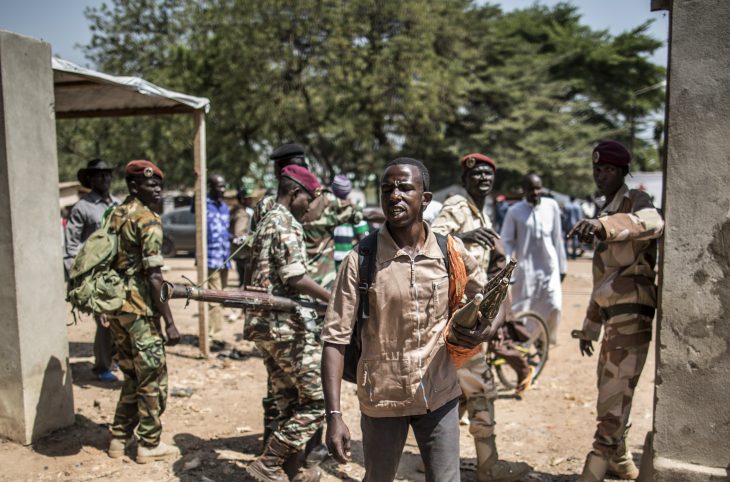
(216, 459)
(84, 377)
(70, 440)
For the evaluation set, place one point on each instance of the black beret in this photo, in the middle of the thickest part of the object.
(287, 151)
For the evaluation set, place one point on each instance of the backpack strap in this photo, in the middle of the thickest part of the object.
(443, 242)
(367, 250)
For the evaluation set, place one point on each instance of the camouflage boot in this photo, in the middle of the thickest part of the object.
(269, 466)
(491, 469)
(622, 464)
(594, 469)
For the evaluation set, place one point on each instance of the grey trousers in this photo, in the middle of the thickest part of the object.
(437, 435)
(103, 348)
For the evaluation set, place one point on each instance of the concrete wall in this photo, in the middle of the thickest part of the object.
(692, 411)
(35, 380)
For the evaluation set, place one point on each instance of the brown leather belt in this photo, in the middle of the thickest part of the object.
(625, 309)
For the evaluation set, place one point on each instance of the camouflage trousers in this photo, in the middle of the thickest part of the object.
(295, 383)
(141, 357)
(623, 352)
(478, 393)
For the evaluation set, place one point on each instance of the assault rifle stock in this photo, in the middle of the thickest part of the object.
(251, 298)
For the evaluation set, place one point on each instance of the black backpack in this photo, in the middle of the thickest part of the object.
(367, 250)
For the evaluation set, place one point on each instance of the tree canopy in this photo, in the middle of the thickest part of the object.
(363, 81)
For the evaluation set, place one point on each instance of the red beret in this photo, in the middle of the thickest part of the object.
(303, 177)
(471, 160)
(144, 169)
(611, 152)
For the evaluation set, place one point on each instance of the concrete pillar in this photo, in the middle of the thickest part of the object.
(692, 410)
(35, 380)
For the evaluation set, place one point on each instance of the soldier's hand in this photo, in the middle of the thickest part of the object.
(173, 336)
(104, 321)
(586, 347)
(586, 230)
(338, 438)
(483, 236)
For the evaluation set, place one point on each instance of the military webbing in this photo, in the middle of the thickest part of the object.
(625, 309)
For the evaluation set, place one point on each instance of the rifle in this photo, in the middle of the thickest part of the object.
(252, 298)
(487, 302)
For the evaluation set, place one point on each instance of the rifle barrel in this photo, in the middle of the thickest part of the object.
(248, 300)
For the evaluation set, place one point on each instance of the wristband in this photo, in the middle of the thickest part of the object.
(333, 412)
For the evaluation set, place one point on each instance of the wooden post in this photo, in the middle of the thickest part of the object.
(201, 226)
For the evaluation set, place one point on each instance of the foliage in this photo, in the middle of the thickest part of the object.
(363, 81)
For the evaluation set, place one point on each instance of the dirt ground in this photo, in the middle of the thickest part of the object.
(217, 420)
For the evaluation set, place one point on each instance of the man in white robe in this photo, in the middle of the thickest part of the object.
(531, 232)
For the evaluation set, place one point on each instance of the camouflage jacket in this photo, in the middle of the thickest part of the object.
(326, 213)
(460, 215)
(262, 207)
(140, 248)
(277, 255)
(623, 263)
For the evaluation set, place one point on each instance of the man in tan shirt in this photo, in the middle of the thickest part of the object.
(405, 376)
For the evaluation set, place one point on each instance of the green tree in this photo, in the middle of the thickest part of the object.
(363, 81)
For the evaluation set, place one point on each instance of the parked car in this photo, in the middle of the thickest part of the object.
(178, 227)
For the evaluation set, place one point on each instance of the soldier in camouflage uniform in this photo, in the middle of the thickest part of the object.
(623, 302)
(138, 337)
(464, 218)
(284, 155)
(288, 343)
(326, 213)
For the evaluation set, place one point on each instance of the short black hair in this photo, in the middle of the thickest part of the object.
(408, 161)
(286, 185)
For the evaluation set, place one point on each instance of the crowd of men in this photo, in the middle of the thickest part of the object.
(392, 294)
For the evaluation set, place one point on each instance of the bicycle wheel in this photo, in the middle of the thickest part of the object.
(534, 347)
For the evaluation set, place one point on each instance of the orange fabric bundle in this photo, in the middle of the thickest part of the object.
(457, 285)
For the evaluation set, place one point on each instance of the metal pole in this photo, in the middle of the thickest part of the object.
(201, 226)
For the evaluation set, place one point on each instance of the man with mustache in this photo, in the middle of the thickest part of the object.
(405, 376)
(623, 301)
(464, 218)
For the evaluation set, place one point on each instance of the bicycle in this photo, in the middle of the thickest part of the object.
(528, 334)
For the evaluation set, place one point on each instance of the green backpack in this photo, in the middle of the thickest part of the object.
(93, 286)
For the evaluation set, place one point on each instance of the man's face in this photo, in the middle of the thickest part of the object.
(533, 189)
(402, 197)
(148, 190)
(100, 181)
(300, 203)
(608, 178)
(216, 187)
(479, 180)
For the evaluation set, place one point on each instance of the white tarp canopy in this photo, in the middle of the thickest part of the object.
(81, 92)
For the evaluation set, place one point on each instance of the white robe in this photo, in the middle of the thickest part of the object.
(533, 235)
